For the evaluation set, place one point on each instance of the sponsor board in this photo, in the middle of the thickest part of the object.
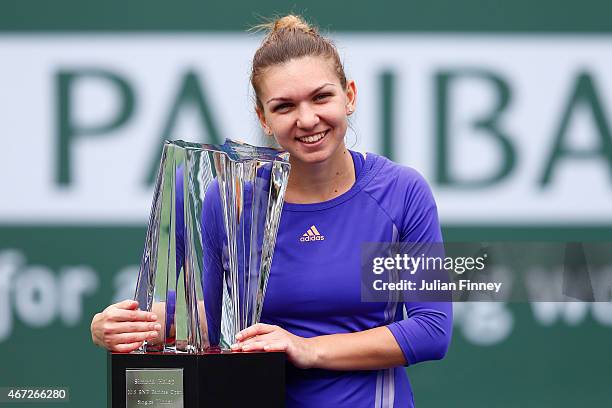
(507, 128)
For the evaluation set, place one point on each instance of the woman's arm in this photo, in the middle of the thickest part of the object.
(424, 335)
(370, 349)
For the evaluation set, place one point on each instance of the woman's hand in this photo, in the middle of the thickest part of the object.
(123, 328)
(265, 337)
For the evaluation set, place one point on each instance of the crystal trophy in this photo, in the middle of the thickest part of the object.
(204, 270)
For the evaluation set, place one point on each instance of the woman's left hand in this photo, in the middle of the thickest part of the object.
(267, 337)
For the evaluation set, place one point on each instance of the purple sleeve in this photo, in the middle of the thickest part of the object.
(211, 234)
(179, 234)
(179, 222)
(425, 333)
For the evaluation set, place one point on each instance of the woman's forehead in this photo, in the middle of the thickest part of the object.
(297, 76)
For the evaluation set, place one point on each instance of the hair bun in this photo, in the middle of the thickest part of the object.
(288, 23)
(292, 22)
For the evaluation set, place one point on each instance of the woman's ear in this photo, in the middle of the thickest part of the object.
(351, 97)
(262, 120)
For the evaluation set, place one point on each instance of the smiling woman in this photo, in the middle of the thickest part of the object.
(344, 352)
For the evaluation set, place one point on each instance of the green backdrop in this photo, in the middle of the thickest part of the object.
(563, 364)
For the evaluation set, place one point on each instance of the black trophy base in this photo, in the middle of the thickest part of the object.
(208, 380)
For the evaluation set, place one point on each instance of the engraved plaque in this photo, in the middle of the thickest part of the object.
(154, 388)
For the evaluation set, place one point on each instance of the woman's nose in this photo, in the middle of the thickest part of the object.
(307, 118)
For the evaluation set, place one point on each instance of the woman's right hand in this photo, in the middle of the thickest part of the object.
(122, 328)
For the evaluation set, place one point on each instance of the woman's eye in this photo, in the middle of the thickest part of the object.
(321, 97)
(282, 106)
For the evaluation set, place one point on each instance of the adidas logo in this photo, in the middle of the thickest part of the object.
(312, 234)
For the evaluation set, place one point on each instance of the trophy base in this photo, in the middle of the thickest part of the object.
(222, 379)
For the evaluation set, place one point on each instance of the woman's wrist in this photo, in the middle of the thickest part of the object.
(315, 349)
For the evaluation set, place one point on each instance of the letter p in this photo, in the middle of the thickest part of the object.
(69, 130)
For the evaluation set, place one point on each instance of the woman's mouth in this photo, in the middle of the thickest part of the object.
(313, 139)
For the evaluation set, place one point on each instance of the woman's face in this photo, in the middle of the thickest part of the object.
(306, 108)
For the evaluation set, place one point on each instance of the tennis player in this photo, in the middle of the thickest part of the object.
(344, 352)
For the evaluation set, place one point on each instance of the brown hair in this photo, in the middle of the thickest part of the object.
(290, 37)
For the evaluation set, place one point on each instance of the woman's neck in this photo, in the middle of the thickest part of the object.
(317, 182)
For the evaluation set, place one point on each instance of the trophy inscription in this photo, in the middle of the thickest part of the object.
(154, 388)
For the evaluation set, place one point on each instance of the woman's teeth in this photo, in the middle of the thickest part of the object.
(312, 139)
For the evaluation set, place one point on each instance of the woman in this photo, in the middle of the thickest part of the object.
(344, 352)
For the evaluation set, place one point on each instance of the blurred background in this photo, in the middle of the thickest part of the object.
(505, 107)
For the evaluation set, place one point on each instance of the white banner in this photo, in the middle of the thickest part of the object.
(507, 129)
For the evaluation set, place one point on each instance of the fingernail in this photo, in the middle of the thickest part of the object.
(154, 334)
(234, 346)
(238, 336)
(153, 317)
(157, 327)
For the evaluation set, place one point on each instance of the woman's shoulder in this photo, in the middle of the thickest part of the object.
(392, 177)
(406, 197)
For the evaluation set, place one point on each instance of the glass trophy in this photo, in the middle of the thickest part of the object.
(204, 270)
